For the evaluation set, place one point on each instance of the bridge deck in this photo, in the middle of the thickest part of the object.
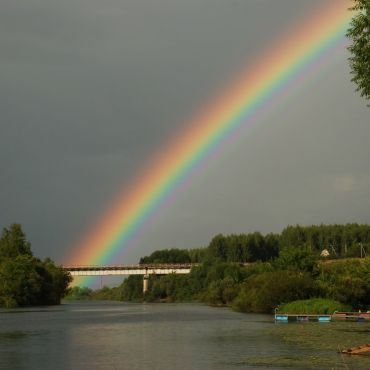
(138, 269)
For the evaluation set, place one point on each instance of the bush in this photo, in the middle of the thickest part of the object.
(78, 294)
(262, 293)
(314, 306)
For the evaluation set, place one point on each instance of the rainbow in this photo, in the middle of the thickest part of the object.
(256, 87)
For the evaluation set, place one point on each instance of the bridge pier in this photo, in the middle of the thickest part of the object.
(145, 283)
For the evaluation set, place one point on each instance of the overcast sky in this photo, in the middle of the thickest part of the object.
(91, 89)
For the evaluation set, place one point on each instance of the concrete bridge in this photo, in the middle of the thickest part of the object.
(138, 269)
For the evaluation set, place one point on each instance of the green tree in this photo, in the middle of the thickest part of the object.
(298, 258)
(20, 284)
(54, 282)
(359, 33)
(264, 292)
(132, 288)
(167, 256)
(218, 248)
(24, 279)
(77, 293)
(222, 292)
(13, 242)
(346, 281)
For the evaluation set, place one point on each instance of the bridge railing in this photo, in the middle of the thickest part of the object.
(174, 266)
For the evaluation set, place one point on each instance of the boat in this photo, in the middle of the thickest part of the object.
(337, 315)
(351, 316)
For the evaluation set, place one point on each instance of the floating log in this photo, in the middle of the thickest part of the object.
(357, 350)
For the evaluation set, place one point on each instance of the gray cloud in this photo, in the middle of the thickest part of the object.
(89, 90)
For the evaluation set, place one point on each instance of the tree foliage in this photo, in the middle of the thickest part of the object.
(264, 292)
(167, 256)
(24, 279)
(359, 33)
(77, 293)
(255, 273)
(349, 240)
(297, 258)
(347, 282)
(13, 242)
(340, 240)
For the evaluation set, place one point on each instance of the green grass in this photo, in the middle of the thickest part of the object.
(314, 306)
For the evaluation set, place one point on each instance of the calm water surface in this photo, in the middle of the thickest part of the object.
(106, 335)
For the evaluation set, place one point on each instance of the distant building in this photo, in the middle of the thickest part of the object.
(325, 253)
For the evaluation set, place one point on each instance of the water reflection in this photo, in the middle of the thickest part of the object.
(106, 335)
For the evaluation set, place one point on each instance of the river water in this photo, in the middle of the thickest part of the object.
(114, 335)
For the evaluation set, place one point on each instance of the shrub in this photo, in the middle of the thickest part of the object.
(262, 293)
(314, 306)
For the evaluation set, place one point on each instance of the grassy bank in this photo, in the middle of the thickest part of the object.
(314, 306)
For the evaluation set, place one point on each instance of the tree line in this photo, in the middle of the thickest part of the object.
(24, 279)
(341, 241)
(257, 273)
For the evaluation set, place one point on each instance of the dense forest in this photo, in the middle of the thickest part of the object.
(24, 279)
(256, 273)
(341, 241)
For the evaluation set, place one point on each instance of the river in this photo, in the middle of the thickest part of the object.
(115, 335)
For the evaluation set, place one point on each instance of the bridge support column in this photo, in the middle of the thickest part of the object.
(145, 283)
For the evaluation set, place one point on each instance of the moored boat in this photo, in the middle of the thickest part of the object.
(351, 316)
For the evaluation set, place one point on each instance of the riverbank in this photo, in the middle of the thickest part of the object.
(259, 288)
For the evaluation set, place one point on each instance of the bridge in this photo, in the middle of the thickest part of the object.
(138, 269)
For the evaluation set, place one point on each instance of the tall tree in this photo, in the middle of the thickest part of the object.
(24, 279)
(13, 242)
(359, 33)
